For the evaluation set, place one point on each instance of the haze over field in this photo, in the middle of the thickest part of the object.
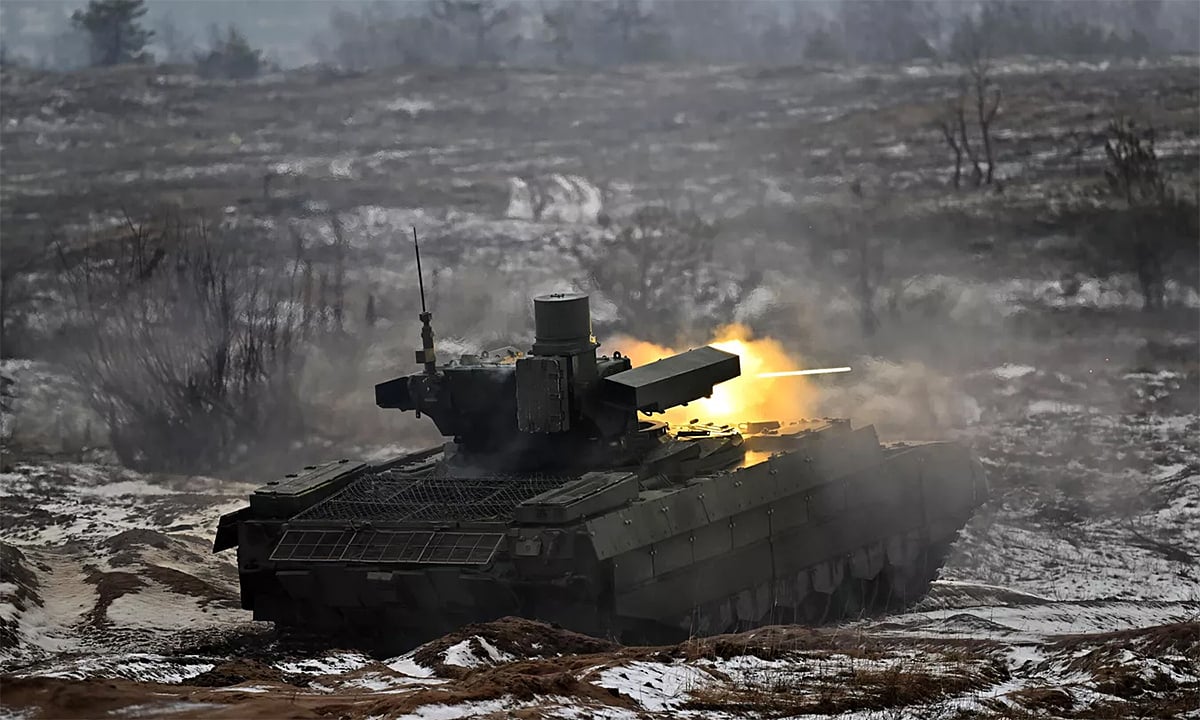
(991, 221)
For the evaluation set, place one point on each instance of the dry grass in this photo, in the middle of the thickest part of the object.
(519, 637)
(777, 672)
(1043, 699)
(834, 684)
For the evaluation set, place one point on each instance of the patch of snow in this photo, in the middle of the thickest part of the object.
(774, 194)
(164, 709)
(407, 666)
(520, 200)
(375, 682)
(328, 665)
(495, 654)
(1054, 407)
(757, 302)
(126, 487)
(156, 608)
(1165, 472)
(342, 167)
(462, 710)
(657, 687)
(1035, 623)
(569, 199)
(411, 106)
(460, 654)
(142, 667)
(1009, 371)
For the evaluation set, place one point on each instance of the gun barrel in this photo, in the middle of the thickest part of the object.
(797, 373)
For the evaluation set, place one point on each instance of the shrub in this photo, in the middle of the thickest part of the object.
(230, 57)
(659, 269)
(1157, 224)
(114, 30)
(189, 344)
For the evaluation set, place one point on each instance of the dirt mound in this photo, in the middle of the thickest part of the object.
(137, 546)
(185, 584)
(521, 680)
(70, 699)
(87, 699)
(137, 537)
(1182, 638)
(16, 569)
(235, 671)
(776, 642)
(109, 587)
(250, 641)
(511, 637)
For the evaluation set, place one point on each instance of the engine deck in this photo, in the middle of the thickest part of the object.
(396, 496)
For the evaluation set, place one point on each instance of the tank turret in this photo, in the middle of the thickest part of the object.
(560, 406)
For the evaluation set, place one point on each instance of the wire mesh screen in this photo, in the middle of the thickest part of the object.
(395, 496)
(400, 546)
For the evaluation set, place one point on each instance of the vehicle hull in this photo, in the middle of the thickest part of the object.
(828, 524)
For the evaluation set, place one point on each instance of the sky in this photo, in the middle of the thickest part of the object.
(283, 28)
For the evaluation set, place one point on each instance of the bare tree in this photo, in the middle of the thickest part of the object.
(477, 19)
(178, 44)
(560, 20)
(987, 104)
(951, 123)
(12, 24)
(1079, 141)
(229, 55)
(1157, 221)
(654, 261)
(630, 22)
(888, 31)
(954, 127)
(626, 16)
(859, 228)
(188, 343)
(19, 297)
(975, 86)
(115, 29)
(381, 35)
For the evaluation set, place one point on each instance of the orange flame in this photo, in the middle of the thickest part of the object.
(745, 398)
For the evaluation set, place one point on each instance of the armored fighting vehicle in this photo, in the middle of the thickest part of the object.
(559, 497)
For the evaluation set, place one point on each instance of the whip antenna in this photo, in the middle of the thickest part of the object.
(420, 277)
(425, 355)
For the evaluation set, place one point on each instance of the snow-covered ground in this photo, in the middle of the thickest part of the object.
(1075, 590)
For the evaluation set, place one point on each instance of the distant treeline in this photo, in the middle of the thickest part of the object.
(612, 32)
(358, 35)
